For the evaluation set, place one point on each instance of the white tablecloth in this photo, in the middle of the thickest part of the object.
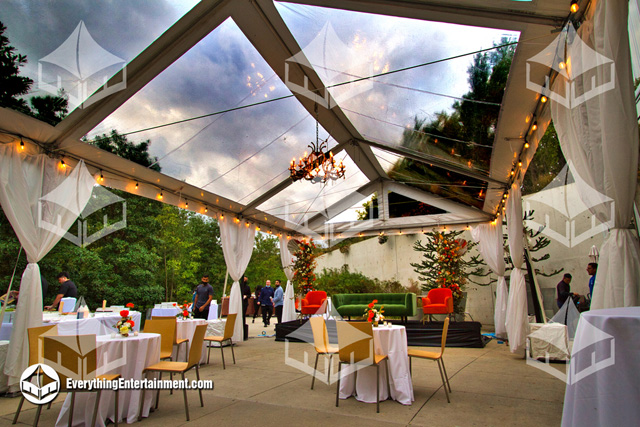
(102, 324)
(392, 342)
(165, 311)
(603, 386)
(4, 380)
(127, 357)
(186, 329)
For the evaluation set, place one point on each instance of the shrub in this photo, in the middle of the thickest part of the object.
(342, 281)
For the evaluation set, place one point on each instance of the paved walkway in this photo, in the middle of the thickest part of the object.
(491, 387)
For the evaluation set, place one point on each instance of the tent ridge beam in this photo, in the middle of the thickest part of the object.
(425, 158)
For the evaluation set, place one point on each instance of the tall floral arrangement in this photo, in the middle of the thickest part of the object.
(444, 264)
(304, 265)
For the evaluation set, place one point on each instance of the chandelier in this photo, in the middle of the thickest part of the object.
(319, 165)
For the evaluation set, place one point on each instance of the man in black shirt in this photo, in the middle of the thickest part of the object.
(204, 295)
(67, 290)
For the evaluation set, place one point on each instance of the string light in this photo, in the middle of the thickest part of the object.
(101, 177)
(574, 6)
(562, 65)
(186, 204)
(544, 99)
(534, 127)
(206, 209)
(160, 196)
(257, 228)
(526, 144)
(221, 216)
(247, 224)
(519, 164)
(513, 172)
(236, 220)
(21, 144)
(137, 185)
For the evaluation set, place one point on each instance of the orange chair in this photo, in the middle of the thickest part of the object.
(437, 301)
(315, 302)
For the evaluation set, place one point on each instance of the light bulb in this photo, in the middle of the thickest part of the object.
(526, 145)
(160, 196)
(574, 6)
(562, 65)
(543, 99)
(534, 127)
(63, 164)
(206, 209)
(21, 144)
(137, 185)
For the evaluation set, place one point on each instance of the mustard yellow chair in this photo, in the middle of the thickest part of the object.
(176, 342)
(322, 345)
(195, 352)
(65, 354)
(355, 342)
(228, 333)
(437, 356)
(36, 356)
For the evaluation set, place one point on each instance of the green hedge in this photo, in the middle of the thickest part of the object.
(342, 281)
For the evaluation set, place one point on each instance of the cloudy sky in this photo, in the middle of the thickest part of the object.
(243, 153)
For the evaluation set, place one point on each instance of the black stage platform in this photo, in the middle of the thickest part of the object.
(461, 334)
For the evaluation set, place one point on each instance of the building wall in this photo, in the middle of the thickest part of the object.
(392, 260)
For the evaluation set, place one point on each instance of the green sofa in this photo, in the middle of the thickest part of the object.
(397, 305)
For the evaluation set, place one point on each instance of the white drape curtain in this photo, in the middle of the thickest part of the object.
(289, 309)
(599, 139)
(516, 320)
(491, 246)
(41, 201)
(237, 247)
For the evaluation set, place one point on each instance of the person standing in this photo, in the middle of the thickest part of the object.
(278, 300)
(256, 303)
(246, 295)
(564, 290)
(592, 268)
(266, 302)
(204, 295)
(67, 289)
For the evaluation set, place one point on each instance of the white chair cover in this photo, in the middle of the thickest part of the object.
(289, 309)
(491, 246)
(41, 202)
(237, 247)
(599, 139)
(516, 321)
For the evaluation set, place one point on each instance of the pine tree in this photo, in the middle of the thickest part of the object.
(444, 265)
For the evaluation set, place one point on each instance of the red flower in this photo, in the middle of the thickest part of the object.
(370, 305)
(130, 305)
(370, 316)
(375, 301)
(175, 304)
(131, 323)
(124, 313)
(185, 313)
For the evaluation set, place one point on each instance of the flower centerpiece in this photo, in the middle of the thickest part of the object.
(373, 314)
(184, 312)
(125, 324)
(304, 265)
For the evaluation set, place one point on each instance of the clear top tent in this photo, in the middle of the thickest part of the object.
(227, 91)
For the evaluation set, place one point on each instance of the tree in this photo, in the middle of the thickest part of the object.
(547, 162)
(444, 265)
(50, 109)
(12, 85)
(121, 146)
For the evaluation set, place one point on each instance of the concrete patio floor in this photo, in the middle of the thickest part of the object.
(490, 387)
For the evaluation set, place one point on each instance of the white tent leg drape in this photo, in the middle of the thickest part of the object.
(237, 247)
(517, 323)
(289, 309)
(491, 246)
(599, 139)
(27, 182)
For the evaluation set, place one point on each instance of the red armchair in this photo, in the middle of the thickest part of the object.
(313, 303)
(437, 301)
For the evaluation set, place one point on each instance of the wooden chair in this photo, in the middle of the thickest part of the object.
(176, 342)
(35, 356)
(195, 352)
(321, 343)
(228, 333)
(65, 354)
(166, 327)
(437, 356)
(355, 342)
